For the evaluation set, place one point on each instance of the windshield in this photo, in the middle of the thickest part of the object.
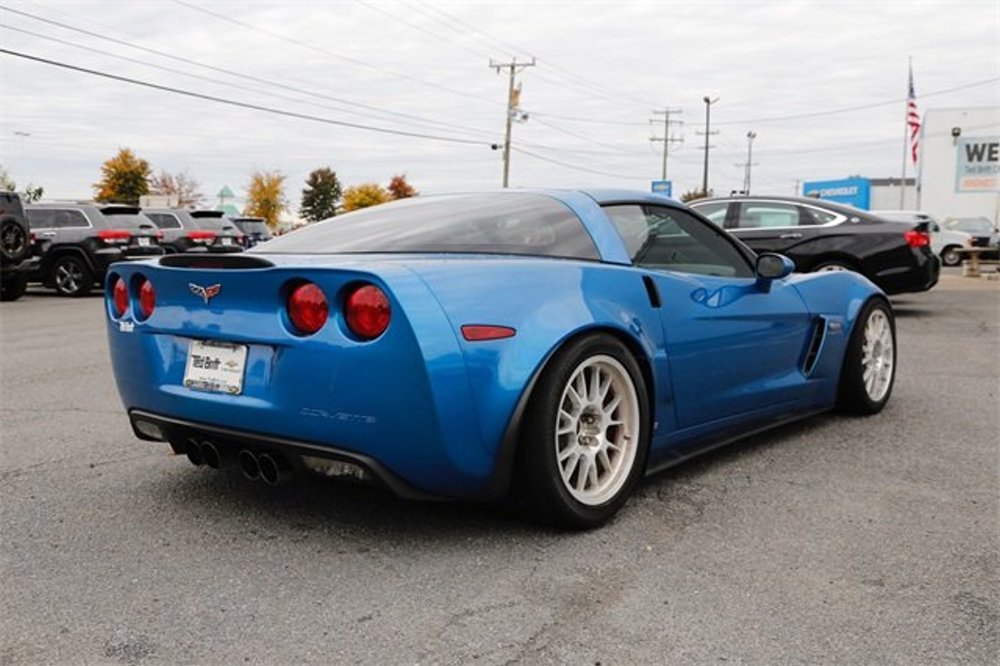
(510, 223)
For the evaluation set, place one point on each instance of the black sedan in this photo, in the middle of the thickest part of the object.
(823, 236)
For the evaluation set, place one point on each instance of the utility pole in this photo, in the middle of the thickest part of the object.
(751, 135)
(513, 99)
(708, 132)
(667, 138)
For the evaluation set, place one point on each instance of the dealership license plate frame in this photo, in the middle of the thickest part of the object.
(215, 367)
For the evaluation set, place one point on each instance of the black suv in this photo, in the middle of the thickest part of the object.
(195, 231)
(16, 247)
(254, 230)
(82, 240)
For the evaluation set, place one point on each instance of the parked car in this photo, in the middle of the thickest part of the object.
(944, 241)
(228, 237)
(561, 343)
(255, 230)
(16, 247)
(825, 236)
(82, 240)
(984, 234)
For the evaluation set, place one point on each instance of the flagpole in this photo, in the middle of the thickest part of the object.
(906, 137)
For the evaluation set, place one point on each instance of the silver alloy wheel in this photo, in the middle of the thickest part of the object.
(597, 430)
(950, 257)
(877, 356)
(69, 277)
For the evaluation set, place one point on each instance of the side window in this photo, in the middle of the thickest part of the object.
(164, 220)
(767, 215)
(715, 212)
(71, 219)
(673, 239)
(41, 218)
(816, 216)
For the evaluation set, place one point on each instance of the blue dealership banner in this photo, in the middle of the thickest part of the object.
(664, 187)
(855, 192)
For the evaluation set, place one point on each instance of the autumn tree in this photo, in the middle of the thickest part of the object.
(691, 195)
(399, 188)
(181, 185)
(321, 195)
(363, 196)
(124, 178)
(266, 196)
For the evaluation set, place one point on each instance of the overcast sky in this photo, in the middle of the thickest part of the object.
(423, 67)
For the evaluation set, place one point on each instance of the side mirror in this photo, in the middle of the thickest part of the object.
(773, 266)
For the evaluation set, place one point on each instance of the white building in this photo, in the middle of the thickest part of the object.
(959, 163)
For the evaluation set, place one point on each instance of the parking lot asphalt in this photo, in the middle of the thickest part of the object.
(835, 540)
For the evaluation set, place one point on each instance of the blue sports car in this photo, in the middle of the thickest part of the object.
(554, 344)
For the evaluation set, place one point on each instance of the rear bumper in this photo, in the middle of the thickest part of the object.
(178, 431)
(921, 276)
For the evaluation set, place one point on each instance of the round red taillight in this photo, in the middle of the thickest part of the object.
(367, 312)
(147, 299)
(307, 308)
(119, 297)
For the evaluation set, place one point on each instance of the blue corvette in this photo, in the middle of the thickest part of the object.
(558, 344)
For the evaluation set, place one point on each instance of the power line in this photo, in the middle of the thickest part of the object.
(513, 104)
(576, 167)
(247, 77)
(245, 105)
(668, 138)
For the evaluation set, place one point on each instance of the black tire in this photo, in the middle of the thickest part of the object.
(543, 487)
(13, 287)
(949, 257)
(14, 245)
(854, 396)
(71, 276)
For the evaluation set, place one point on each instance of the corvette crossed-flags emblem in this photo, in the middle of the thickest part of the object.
(206, 293)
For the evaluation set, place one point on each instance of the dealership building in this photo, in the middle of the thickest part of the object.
(958, 173)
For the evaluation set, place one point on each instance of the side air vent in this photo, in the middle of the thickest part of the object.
(815, 344)
(651, 291)
(219, 261)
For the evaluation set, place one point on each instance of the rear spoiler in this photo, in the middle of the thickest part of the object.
(221, 261)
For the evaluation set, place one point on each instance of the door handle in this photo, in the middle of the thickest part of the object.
(795, 235)
(48, 233)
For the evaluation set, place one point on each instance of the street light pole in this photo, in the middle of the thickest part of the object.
(751, 135)
(708, 131)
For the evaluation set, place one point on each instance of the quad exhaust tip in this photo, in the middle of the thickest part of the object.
(249, 465)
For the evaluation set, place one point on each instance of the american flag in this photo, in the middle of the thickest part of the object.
(913, 119)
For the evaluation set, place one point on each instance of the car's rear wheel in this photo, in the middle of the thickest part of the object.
(869, 370)
(13, 241)
(586, 433)
(13, 287)
(71, 276)
(827, 266)
(950, 256)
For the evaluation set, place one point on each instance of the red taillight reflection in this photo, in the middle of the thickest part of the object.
(119, 297)
(147, 299)
(308, 308)
(916, 238)
(367, 312)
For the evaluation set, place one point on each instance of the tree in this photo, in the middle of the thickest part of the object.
(31, 192)
(182, 185)
(691, 195)
(266, 196)
(399, 188)
(124, 178)
(320, 198)
(364, 195)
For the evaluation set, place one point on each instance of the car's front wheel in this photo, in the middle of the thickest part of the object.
(870, 363)
(586, 433)
(71, 276)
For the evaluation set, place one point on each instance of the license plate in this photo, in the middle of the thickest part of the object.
(143, 241)
(215, 366)
(227, 241)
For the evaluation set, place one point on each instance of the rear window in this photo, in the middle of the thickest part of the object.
(253, 226)
(165, 220)
(128, 220)
(214, 223)
(510, 223)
